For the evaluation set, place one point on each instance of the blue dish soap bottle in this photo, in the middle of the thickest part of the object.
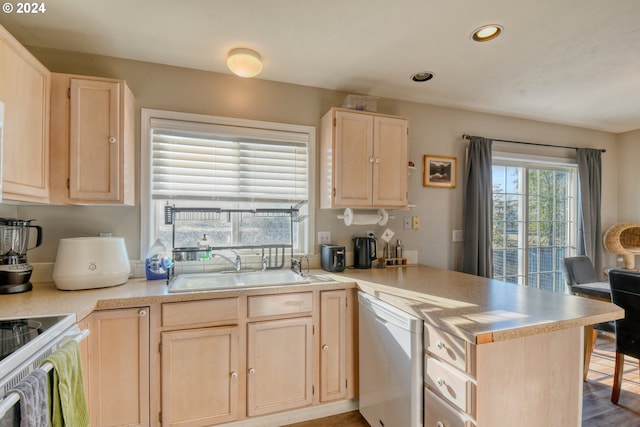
(158, 261)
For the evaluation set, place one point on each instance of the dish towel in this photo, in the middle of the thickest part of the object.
(67, 401)
(34, 406)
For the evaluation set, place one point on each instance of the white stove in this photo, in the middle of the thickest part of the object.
(26, 341)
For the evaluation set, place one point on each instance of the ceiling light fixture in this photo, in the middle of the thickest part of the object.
(486, 33)
(244, 62)
(422, 76)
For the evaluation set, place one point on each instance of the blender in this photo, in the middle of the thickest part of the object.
(15, 272)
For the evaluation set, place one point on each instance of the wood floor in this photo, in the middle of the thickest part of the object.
(597, 411)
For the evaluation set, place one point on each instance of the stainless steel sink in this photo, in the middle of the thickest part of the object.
(214, 281)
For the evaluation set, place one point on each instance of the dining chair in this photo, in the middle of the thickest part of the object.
(579, 270)
(625, 293)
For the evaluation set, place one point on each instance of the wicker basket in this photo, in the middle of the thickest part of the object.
(624, 239)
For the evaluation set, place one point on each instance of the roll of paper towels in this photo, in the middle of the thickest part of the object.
(352, 218)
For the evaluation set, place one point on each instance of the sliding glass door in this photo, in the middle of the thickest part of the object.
(534, 221)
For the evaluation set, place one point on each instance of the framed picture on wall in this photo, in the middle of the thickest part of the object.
(439, 171)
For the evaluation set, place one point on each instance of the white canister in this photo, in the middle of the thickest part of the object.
(91, 262)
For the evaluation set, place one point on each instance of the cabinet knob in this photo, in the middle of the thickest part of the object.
(440, 424)
(371, 159)
(440, 345)
(440, 382)
(142, 313)
(325, 347)
(252, 371)
(234, 375)
(377, 160)
(112, 139)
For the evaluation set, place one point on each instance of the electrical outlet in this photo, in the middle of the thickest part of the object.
(415, 222)
(457, 236)
(324, 237)
(407, 223)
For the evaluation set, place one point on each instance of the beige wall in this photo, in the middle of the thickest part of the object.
(629, 188)
(433, 130)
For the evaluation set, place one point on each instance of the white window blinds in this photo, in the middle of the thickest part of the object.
(204, 161)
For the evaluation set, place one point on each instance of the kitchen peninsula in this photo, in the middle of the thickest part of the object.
(514, 351)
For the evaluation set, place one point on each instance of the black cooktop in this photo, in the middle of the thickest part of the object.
(16, 333)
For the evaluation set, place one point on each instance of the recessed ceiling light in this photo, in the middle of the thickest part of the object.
(422, 76)
(486, 33)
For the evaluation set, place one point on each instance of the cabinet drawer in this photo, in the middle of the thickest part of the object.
(280, 304)
(197, 312)
(438, 413)
(450, 349)
(451, 384)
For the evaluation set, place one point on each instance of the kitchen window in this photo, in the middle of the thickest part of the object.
(194, 160)
(535, 220)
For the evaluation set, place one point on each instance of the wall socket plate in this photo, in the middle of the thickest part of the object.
(457, 235)
(406, 223)
(324, 237)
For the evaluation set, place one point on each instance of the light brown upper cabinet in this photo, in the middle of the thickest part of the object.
(92, 141)
(363, 160)
(24, 90)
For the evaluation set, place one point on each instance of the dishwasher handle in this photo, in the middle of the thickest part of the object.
(389, 314)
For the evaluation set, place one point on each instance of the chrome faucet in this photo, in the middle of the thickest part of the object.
(296, 265)
(237, 262)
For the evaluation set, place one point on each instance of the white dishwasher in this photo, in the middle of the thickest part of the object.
(390, 363)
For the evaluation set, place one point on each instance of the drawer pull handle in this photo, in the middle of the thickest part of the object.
(440, 345)
(440, 382)
(234, 375)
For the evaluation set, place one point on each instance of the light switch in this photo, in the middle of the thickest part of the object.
(457, 235)
(415, 222)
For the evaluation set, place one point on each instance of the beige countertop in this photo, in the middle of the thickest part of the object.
(476, 309)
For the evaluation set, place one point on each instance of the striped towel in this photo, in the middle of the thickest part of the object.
(34, 407)
(67, 401)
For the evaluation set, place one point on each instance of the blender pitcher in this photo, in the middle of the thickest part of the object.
(14, 240)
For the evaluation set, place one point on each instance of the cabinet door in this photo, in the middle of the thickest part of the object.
(279, 362)
(94, 153)
(24, 90)
(353, 157)
(200, 376)
(390, 145)
(119, 365)
(333, 345)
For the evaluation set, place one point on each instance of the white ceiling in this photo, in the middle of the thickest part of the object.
(574, 62)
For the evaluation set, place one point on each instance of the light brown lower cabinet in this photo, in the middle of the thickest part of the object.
(118, 367)
(279, 365)
(229, 359)
(334, 345)
(200, 376)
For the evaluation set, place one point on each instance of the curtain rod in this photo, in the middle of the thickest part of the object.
(465, 136)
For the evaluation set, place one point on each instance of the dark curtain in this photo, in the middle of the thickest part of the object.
(478, 209)
(590, 180)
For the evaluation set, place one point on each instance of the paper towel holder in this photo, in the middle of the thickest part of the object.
(381, 217)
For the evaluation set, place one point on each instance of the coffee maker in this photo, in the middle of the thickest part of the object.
(15, 272)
